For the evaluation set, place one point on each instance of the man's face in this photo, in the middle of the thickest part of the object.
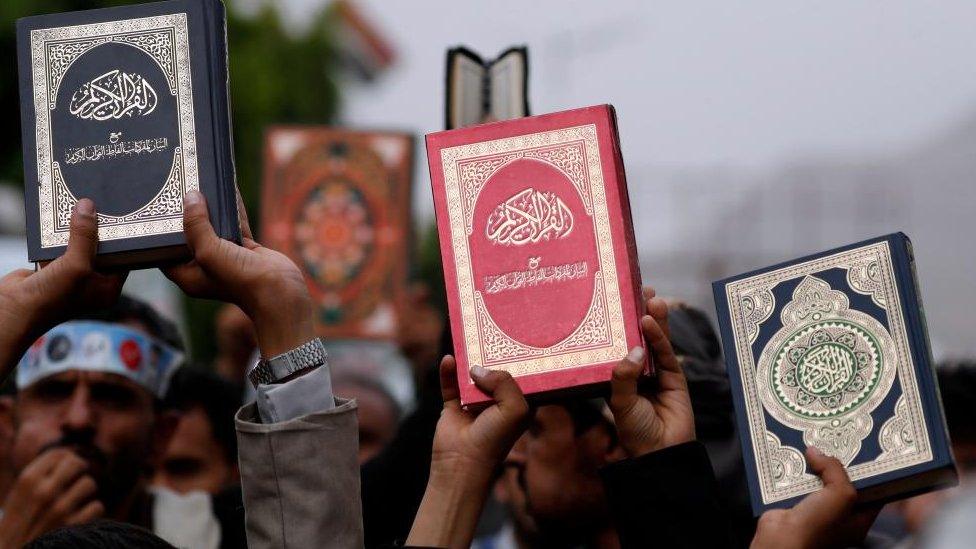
(376, 415)
(558, 482)
(105, 418)
(194, 460)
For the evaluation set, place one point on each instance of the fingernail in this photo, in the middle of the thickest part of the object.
(636, 355)
(192, 198)
(85, 207)
(815, 451)
(478, 372)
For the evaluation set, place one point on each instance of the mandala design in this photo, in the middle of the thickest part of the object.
(334, 234)
(826, 369)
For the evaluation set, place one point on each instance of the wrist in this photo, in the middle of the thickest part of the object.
(283, 323)
(451, 506)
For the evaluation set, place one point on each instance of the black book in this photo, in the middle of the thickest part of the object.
(127, 106)
(481, 90)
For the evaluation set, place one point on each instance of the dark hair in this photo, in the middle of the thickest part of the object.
(100, 534)
(587, 413)
(957, 385)
(131, 309)
(190, 387)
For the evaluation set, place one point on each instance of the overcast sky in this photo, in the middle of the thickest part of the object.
(747, 84)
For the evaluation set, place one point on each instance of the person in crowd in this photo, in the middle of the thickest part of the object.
(957, 385)
(381, 381)
(58, 486)
(570, 491)
(236, 344)
(663, 492)
(202, 452)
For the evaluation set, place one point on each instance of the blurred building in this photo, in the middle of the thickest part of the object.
(722, 222)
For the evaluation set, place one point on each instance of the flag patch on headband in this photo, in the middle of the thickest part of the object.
(101, 347)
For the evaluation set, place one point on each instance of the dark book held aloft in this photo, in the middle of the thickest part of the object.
(832, 351)
(129, 107)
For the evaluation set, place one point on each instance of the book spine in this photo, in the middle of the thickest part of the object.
(920, 336)
(629, 235)
(486, 105)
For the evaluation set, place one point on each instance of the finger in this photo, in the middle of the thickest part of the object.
(501, 386)
(76, 497)
(623, 382)
(80, 491)
(91, 511)
(242, 217)
(660, 345)
(67, 470)
(190, 278)
(196, 222)
(82, 235)
(829, 469)
(838, 494)
(40, 468)
(449, 384)
(658, 309)
(648, 292)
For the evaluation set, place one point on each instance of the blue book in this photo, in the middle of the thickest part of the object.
(831, 350)
(127, 106)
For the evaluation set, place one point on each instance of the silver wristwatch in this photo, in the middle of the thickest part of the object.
(275, 369)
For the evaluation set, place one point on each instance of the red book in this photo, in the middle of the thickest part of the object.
(538, 247)
(337, 202)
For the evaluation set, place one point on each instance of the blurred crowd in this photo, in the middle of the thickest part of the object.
(146, 448)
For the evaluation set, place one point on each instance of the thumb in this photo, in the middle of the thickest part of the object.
(83, 235)
(829, 469)
(623, 382)
(502, 387)
(196, 222)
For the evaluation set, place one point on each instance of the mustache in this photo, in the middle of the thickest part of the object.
(81, 445)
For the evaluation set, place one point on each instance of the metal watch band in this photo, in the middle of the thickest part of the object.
(275, 369)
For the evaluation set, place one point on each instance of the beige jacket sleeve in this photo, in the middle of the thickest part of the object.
(301, 479)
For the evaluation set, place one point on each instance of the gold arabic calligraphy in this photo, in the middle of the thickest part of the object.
(528, 217)
(113, 95)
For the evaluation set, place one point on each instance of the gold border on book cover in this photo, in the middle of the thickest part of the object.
(574, 152)
(826, 370)
(164, 38)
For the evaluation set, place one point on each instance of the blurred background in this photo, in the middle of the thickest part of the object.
(752, 132)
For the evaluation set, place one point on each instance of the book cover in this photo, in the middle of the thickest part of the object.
(831, 351)
(337, 202)
(127, 106)
(538, 249)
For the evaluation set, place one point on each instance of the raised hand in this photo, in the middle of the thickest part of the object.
(649, 420)
(53, 491)
(32, 302)
(825, 518)
(468, 447)
(264, 283)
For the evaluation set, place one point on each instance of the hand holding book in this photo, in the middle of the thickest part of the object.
(31, 302)
(826, 518)
(262, 282)
(468, 447)
(649, 421)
